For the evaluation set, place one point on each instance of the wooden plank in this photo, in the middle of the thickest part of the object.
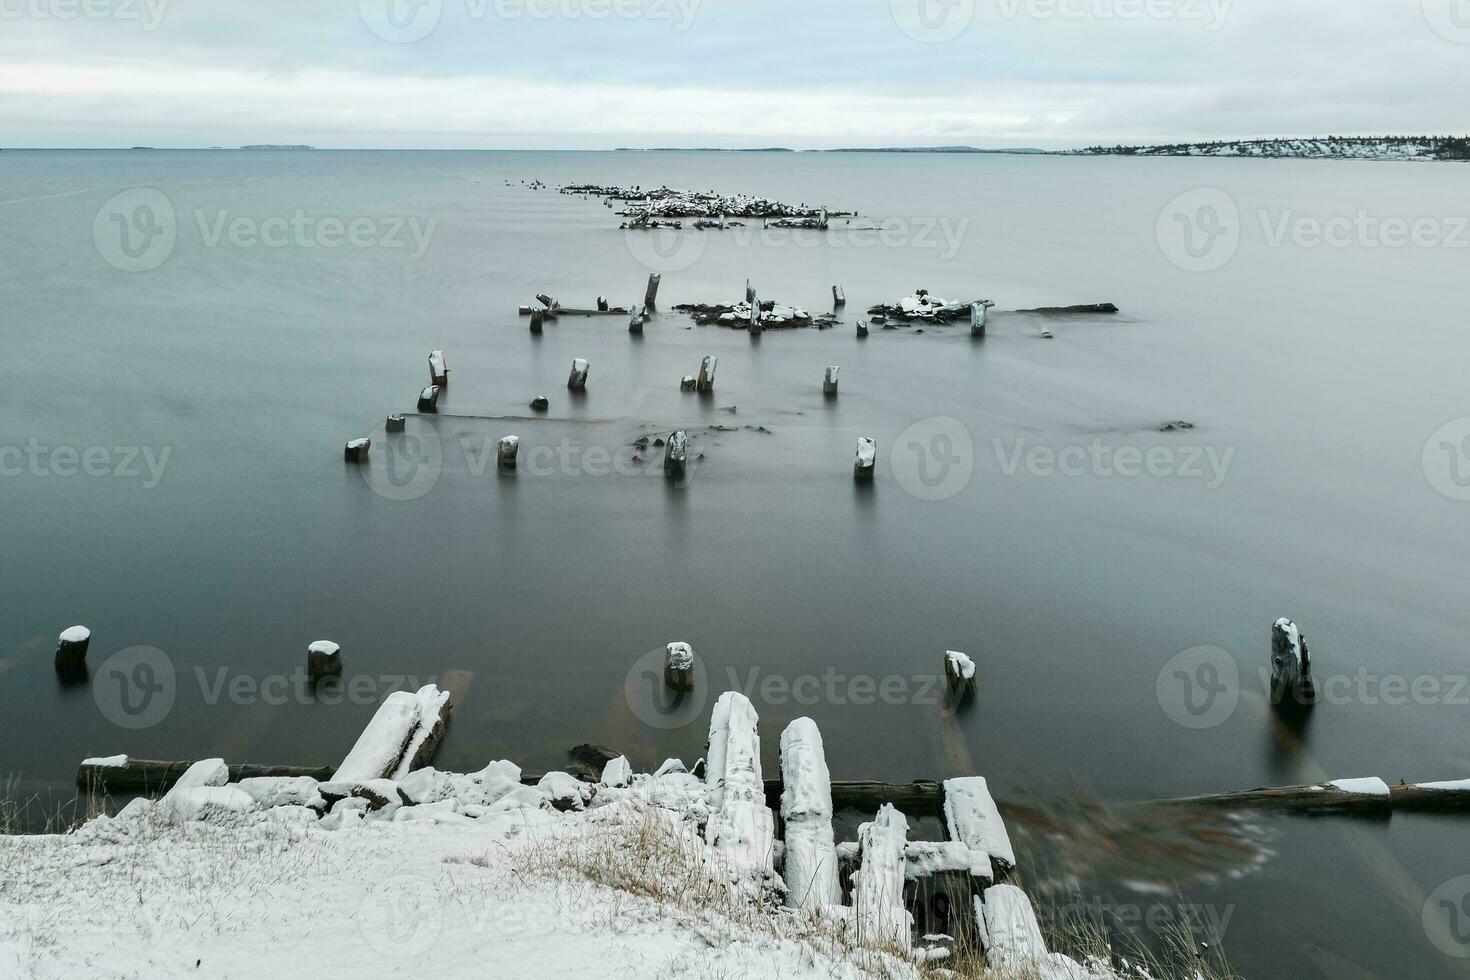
(877, 885)
(152, 776)
(972, 818)
(741, 828)
(810, 864)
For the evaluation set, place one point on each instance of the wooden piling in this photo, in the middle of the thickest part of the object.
(650, 296)
(540, 403)
(706, 382)
(862, 328)
(809, 865)
(635, 323)
(1291, 665)
(71, 647)
(688, 383)
(977, 319)
(755, 315)
(538, 320)
(741, 828)
(877, 885)
(357, 450)
(395, 423)
(676, 455)
(829, 382)
(429, 399)
(438, 369)
(839, 298)
(959, 669)
(867, 458)
(679, 667)
(323, 659)
(506, 453)
(577, 381)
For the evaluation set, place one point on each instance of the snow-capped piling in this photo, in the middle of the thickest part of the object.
(395, 423)
(323, 659)
(577, 381)
(429, 399)
(71, 647)
(829, 381)
(706, 382)
(507, 452)
(650, 296)
(862, 328)
(688, 383)
(679, 666)
(867, 458)
(676, 455)
(540, 403)
(602, 304)
(877, 885)
(839, 298)
(1013, 942)
(809, 865)
(356, 451)
(1291, 665)
(755, 314)
(538, 320)
(977, 319)
(635, 323)
(741, 827)
(960, 671)
(749, 293)
(972, 819)
(438, 369)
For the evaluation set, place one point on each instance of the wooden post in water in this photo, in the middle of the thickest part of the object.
(839, 298)
(602, 304)
(706, 382)
(877, 885)
(688, 383)
(650, 297)
(679, 667)
(429, 399)
(676, 455)
(960, 671)
(506, 453)
(395, 423)
(755, 315)
(810, 864)
(867, 458)
(829, 383)
(538, 318)
(577, 381)
(71, 647)
(438, 369)
(323, 659)
(540, 403)
(635, 324)
(862, 328)
(1291, 665)
(357, 450)
(749, 293)
(977, 319)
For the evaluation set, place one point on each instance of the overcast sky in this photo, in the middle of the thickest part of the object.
(802, 73)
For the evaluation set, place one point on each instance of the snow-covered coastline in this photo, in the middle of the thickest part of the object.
(1400, 148)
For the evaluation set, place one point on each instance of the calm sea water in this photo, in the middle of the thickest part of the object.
(1315, 375)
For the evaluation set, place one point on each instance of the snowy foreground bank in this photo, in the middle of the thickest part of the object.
(439, 874)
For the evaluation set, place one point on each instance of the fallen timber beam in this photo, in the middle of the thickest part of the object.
(923, 797)
(566, 311)
(1084, 308)
(1342, 797)
(152, 776)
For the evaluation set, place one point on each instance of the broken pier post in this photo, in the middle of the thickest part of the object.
(602, 304)
(71, 647)
(429, 399)
(977, 319)
(706, 382)
(877, 885)
(357, 450)
(810, 862)
(438, 369)
(862, 328)
(959, 670)
(829, 382)
(507, 452)
(676, 455)
(635, 324)
(395, 423)
(687, 383)
(839, 298)
(577, 381)
(679, 666)
(867, 458)
(323, 659)
(650, 297)
(538, 319)
(755, 315)
(1291, 665)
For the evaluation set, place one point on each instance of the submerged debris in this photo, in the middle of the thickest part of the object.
(668, 202)
(737, 315)
(923, 305)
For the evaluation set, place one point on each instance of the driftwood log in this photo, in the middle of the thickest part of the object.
(150, 776)
(1085, 308)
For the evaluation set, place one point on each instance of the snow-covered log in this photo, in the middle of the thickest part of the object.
(650, 296)
(810, 868)
(707, 368)
(1014, 944)
(438, 369)
(577, 381)
(71, 647)
(972, 819)
(507, 451)
(741, 828)
(635, 324)
(617, 773)
(1291, 665)
(357, 450)
(323, 659)
(402, 737)
(395, 423)
(839, 298)
(867, 458)
(829, 380)
(877, 885)
(121, 774)
(676, 455)
(679, 666)
(429, 399)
